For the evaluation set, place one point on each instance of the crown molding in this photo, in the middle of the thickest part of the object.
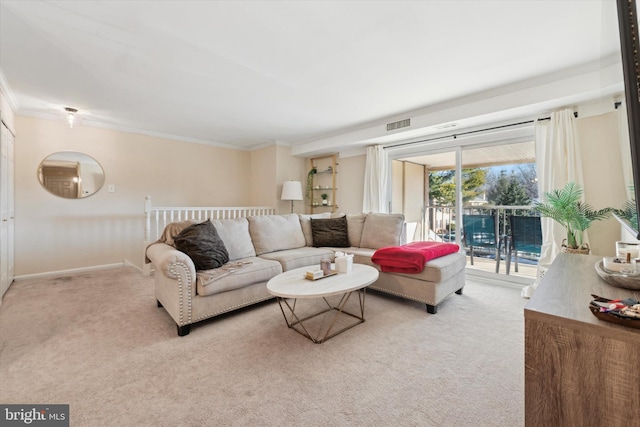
(8, 92)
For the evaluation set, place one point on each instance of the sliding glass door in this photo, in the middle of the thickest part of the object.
(437, 188)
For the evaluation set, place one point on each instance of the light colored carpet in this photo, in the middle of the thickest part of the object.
(97, 342)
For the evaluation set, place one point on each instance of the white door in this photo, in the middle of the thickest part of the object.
(6, 209)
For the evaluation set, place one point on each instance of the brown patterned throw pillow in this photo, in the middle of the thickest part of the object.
(203, 245)
(330, 232)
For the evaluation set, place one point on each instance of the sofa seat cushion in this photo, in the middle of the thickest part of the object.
(300, 257)
(361, 255)
(271, 233)
(254, 270)
(440, 269)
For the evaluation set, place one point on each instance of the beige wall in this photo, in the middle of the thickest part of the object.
(603, 180)
(270, 167)
(289, 168)
(262, 175)
(397, 186)
(413, 197)
(350, 183)
(54, 234)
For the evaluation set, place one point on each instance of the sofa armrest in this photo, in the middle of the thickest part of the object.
(165, 257)
(175, 282)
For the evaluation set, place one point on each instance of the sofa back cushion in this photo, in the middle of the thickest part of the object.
(305, 223)
(380, 230)
(236, 237)
(355, 222)
(271, 233)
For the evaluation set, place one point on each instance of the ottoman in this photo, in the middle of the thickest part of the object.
(440, 278)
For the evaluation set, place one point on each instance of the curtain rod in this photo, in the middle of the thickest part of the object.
(455, 135)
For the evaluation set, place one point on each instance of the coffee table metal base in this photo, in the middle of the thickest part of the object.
(296, 323)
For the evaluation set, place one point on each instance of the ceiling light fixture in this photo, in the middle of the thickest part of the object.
(71, 112)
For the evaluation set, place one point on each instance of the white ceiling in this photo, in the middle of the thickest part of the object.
(246, 73)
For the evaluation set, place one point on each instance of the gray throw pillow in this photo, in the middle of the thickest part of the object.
(203, 245)
(330, 232)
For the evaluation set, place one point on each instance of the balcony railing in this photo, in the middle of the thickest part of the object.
(439, 224)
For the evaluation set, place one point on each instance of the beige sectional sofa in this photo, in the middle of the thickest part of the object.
(260, 247)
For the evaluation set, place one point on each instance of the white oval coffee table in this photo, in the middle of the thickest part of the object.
(291, 285)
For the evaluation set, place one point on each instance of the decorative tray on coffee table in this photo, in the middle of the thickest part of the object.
(333, 273)
(623, 312)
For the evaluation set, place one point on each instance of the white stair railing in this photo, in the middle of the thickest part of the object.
(157, 218)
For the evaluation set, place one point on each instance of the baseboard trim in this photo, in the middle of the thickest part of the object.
(71, 271)
(496, 279)
(128, 263)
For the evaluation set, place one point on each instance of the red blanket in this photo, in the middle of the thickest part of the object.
(411, 258)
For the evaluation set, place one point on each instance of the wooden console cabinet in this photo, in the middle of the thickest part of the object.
(579, 370)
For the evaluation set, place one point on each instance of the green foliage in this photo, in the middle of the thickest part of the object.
(508, 191)
(442, 186)
(629, 213)
(565, 207)
(473, 181)
(438, 194)
(312, 172)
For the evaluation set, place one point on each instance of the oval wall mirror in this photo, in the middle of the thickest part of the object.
(70, 175)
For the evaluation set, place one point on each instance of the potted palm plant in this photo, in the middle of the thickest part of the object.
(565, 207)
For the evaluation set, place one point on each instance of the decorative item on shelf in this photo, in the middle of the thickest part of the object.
(324, 199)
(291, 190)
(565, 207)
(310, 175)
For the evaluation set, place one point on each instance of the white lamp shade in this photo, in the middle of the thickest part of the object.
(292, 190)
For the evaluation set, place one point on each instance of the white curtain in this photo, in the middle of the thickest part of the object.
(375, 180)
(558, 161)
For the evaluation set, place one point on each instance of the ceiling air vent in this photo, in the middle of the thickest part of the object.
(399, 124)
